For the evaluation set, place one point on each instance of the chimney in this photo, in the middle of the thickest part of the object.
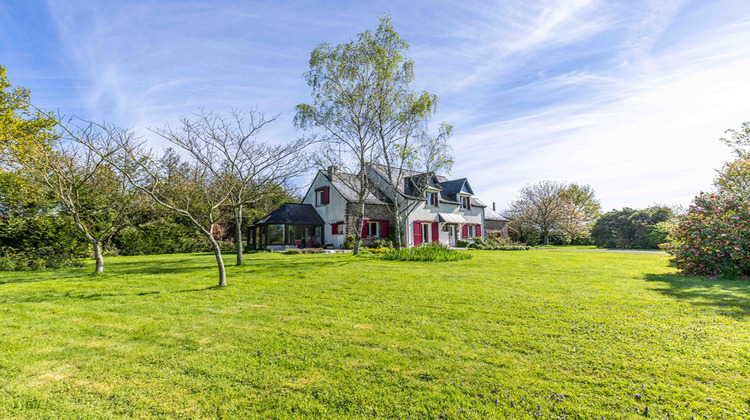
(332, 170)
(493, 206)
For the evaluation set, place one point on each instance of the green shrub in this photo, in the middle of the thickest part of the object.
(349, 242)
(462, 243)
(497, 244)
(295, 251)
(629, 228)
(15, 260)
(227, 246)
(380, 243)
(428, 252)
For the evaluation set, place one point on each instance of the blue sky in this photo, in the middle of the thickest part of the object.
(629, 97)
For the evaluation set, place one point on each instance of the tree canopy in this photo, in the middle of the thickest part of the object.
(23, 127)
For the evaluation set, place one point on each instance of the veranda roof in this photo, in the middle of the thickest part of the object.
(451, 218)
(293, 214)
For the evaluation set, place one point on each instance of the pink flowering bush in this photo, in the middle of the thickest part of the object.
(713, 238)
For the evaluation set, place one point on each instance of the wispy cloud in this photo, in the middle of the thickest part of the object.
(628, 96)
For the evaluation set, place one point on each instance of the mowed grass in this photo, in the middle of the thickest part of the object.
(503, 335)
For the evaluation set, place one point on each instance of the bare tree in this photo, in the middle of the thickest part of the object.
(414, 157)
(541, 205)
(96, 196)
(186, 188)
(229, 149)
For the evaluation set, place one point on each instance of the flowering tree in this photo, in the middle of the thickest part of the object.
(713, 238)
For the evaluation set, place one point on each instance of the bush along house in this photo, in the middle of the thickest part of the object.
(436, 209)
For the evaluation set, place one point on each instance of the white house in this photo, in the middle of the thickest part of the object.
(437, 210)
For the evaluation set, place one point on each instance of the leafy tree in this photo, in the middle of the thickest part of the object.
(582, 209)
(734, 177)
(739, 141)
(361, 99)
(23, 128)
(30, 221)
(630, 228)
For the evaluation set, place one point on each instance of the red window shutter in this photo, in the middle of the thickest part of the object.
(417, 234)
(478, 230)
(435, 232)
(326, 195)
(335, 228)
(364, 228)
(468, 203)
(385, 225)
(465, 231)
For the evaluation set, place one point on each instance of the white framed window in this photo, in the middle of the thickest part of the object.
(465, 203)
(426, 233)
(431, 198)
(471, 230)
(373, 229)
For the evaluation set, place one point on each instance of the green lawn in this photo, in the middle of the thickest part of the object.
(505, 334)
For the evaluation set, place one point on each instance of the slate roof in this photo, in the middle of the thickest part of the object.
(490, 214)
(448, 188)
(348, 184)
(299, 214)
(475, 202)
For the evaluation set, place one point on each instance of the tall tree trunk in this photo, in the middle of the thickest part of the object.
(358, 221)
(238, 233)
(95, 244)
(397, 222)
(98, 257)
(219, 262)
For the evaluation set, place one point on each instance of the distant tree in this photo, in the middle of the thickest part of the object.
(23, 128)
(361, 99)
(229, 148)
(541, 206)
(582, 209)
(734, 177)
(739, 141)
(31, 222)
(629, 228)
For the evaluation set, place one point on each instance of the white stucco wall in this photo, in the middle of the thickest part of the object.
(334, 211)
(424, 213)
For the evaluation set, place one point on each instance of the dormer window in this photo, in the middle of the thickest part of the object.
(431, 198)
(465, 203)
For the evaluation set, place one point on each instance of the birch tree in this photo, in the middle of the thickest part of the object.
(345, 81)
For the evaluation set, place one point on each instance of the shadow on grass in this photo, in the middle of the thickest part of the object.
(724, 297)
(50, 295)
(166, 266)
